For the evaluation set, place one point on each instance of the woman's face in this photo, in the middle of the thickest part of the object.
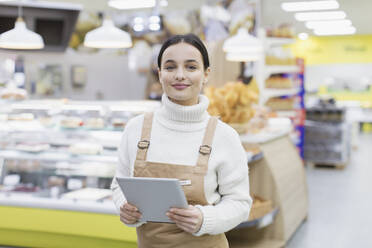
(182, 73)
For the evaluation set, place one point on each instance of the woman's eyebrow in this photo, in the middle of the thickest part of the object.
(169, 61)
(191, 61)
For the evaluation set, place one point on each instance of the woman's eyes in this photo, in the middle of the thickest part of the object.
(168, 68)
(188, 67)
(191, 67)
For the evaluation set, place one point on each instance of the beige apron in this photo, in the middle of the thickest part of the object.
(164, 235)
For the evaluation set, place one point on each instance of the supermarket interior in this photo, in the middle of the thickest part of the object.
(292, 77)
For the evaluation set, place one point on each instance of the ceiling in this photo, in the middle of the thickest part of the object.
(358, 11)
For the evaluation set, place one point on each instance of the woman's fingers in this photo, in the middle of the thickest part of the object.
(181, 218)
(190, 219)
(129, 214)
(130, 207)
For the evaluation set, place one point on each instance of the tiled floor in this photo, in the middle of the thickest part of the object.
(340, 211)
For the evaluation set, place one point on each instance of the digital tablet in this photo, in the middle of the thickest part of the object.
(153, 196)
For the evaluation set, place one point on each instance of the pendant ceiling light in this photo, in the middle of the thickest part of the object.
(107, 36)
(20, 37)
(131, 4)
(243, 47)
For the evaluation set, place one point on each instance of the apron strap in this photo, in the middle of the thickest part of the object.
(206, 147)
(144, 143)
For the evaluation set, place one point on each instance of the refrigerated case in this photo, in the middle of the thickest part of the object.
(55, 192)
(57, 161)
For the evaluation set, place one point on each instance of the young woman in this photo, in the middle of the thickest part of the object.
(188, 144)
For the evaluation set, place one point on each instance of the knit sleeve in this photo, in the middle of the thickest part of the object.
(233, 187)
(123, 169)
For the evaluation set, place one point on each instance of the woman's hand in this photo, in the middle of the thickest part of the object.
(189, 219)
(129, 214)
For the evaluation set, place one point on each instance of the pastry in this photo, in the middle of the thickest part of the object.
(94, 123)
(71, 122)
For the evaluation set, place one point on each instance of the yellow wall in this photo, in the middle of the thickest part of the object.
(335, 49)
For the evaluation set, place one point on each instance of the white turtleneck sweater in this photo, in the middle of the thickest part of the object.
(177, 133)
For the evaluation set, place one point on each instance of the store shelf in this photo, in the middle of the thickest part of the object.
(260, 222)
(54, 156)
(269, 93)
(286, 113)
(275, 69)
(276, 128)
(27, 200)
(277, 41)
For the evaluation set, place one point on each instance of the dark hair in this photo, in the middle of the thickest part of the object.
(191, 39)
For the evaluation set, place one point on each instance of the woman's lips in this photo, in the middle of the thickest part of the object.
(180, 86)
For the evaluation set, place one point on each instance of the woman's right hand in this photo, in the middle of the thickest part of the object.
(129, 214)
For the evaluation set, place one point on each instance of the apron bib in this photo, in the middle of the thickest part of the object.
(167, 235)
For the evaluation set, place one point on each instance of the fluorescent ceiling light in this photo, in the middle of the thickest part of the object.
(310, 5)
(335, 31)
(318, 16)
(132, 4)
(332, 23)
(303, 36)
(107, 36)
(21, 38)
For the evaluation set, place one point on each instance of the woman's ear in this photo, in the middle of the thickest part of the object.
(159, 75)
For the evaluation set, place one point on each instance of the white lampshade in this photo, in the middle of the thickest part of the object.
(131, 4)
(243, 47)
(21, 38)
(107, 36)
(243, 42)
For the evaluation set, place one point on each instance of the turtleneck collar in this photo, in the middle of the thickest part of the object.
(176, 112)
(175, 116)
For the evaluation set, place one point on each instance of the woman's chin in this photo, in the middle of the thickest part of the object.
(179, 96)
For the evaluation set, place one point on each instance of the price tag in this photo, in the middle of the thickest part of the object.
(265, 221)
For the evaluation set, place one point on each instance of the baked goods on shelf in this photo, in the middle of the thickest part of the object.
(281, 103)
(46, 121)
(21, 117)
(13, 94)
(32, 147)
(233, 102)
(281, 31)
(94, 123)
(279, 82)
(118, 123)
(71, 122)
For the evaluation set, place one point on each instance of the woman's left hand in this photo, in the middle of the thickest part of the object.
(189, 219)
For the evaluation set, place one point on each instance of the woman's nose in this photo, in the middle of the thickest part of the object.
(180, 75)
